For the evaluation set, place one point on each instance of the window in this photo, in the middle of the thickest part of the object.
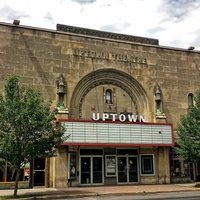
(190, 100)
(7, 172)
(108, 96)
(91, 151)
(127, 151)
(178, 167)
(147, 164)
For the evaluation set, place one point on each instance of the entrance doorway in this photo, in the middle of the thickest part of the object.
(91, 170)
(192, 172)
(127, 167)
(38, 171)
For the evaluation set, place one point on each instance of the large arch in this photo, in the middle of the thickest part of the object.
(108, 76)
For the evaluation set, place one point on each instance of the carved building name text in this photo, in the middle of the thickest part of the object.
(108, 56)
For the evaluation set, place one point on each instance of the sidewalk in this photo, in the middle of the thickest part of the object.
(56, 193)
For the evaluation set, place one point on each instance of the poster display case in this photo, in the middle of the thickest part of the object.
(71, 166)
(110, 165)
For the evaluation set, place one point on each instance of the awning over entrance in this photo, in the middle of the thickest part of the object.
(86, 133)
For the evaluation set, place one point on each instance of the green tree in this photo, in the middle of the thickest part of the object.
(189, 133)
(27, 126)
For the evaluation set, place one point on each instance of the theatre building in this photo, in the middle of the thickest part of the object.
(119, 98)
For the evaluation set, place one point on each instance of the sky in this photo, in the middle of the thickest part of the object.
(175, 23)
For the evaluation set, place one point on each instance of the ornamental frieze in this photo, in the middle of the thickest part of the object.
(104, 34)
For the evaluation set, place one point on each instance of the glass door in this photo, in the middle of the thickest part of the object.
(133, 169)
(97, 169)
(85, 170)
(39, 171)
(127, 169)
(91, 170)
(122, 170)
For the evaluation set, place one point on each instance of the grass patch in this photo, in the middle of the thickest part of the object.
(197, 185)
(19, 196)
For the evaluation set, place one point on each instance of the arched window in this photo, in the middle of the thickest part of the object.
(108, 96)
(190, 100)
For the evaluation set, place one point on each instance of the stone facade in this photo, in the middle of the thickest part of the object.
(93, 63)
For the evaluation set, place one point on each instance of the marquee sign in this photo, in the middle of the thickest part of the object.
(87, 133)
(120, 117)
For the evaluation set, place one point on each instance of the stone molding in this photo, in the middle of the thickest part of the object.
(104, 34)
(107, 76)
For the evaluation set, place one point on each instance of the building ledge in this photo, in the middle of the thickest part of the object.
(104, 34)
(161, 116)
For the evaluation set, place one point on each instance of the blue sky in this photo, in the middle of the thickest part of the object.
(174, 22)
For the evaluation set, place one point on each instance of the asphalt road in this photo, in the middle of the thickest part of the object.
(195, 195)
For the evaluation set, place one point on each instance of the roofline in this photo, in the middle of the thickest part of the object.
(94, 37)
(104, 34)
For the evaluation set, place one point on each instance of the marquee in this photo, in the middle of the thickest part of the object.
(119, 134)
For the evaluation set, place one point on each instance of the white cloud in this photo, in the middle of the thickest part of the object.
(8, 13)
(173, 22)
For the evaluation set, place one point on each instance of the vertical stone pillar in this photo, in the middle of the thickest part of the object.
(59, 164)
(60, 173)
(47, 172)
(164, 165)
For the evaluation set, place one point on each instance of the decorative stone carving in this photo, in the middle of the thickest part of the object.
(103, 34)
(61, 92)
(108, 76)
(113, 108)
(158, 101)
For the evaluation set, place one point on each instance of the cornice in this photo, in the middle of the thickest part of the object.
(104, 34)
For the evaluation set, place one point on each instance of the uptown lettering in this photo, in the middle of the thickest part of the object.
(121, 117)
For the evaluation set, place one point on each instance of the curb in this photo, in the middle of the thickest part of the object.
(61, 196)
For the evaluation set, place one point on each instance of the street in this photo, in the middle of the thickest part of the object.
(195, 195)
